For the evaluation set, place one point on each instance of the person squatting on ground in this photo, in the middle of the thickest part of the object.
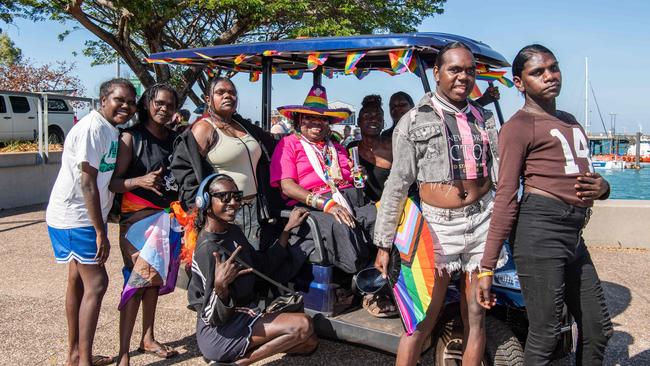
(549, 149)
(143, 177)
(313, 171)
(230, 328)
(77, 212)
(448, 144)
(226, 143)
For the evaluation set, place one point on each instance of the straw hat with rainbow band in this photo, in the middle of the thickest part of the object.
(316, 104)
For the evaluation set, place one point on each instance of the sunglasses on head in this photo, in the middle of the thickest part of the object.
(225, 197)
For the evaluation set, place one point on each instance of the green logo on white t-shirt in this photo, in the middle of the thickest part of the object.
(112, 154)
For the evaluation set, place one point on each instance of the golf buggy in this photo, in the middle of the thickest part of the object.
(506, 323)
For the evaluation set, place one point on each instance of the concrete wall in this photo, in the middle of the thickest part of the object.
(24, 181)
(619, 223)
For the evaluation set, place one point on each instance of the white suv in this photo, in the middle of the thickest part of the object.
(19, 118)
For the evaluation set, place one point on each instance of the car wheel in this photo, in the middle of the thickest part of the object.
(55, 136)
(449, 344)
(502, 347)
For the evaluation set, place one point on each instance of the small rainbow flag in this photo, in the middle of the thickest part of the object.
(270, 53)
(352, 60)
(415, 283)
(316, 59)
(400, 60)
(295, 74)
(413, 66)
(241, 58)
(495, 76)
(476, 92)
(254, 76)
(361, 73)
(329, 73)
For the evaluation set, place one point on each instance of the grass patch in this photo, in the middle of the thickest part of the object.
(25, 146)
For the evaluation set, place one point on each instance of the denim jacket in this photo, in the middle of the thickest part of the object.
(420, 151)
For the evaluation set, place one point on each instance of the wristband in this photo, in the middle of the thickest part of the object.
(485, 274)
(308, 199)
(329, 204)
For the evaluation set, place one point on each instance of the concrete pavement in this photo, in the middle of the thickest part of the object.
(32, 294)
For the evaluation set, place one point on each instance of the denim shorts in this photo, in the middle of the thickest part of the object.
(459, 234)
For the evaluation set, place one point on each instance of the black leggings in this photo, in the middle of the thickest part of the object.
(555, 268)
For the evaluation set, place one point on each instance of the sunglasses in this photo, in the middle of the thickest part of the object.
(225, 197)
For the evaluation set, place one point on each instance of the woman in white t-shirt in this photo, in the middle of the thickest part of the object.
(77, 211)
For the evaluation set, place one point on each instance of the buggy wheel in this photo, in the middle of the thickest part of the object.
(502, 347)
(449, 344)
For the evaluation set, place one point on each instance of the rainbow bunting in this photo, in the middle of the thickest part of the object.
(388, 71)
(241, 58)
(180, 60)
(352, 60)
(495, 76)
(415, 283)
(295, 74)
(413, 66)
(316, 59)
(400, 60)
(204, 56)
(361, 73)
(270, 53)
(329, 73)
(254, 76)
(476, 92)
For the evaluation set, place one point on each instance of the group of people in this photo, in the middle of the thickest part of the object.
(224, 179)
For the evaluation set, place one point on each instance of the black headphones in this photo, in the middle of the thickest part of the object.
(202, 199)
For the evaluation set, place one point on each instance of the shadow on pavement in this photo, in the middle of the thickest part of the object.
(618, 300)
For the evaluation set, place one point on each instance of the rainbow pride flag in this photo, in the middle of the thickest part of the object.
(241, 58)
(295, 74)
(476, 92)
(316, 59)
(400, 60)
(254, 76)
(495, 76)
(361, 73)
(352, 60)
(270, 53)
(329, 73)
(414, 286)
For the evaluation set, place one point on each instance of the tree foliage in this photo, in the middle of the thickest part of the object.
(25, 76)
(133, 29)
(9, 53)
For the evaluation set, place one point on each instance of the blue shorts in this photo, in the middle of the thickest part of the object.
(77, 243)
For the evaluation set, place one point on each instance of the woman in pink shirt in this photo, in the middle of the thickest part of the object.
(314, 171)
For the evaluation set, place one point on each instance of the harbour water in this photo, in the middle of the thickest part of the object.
(628, 184)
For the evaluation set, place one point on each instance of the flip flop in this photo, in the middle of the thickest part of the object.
(99, 360)
(163, 351)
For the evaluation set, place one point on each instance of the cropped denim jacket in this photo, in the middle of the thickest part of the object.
(420, 151)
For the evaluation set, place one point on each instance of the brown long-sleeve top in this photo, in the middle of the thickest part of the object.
(549, 152)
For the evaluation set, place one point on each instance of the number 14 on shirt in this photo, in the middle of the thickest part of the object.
(580, 146)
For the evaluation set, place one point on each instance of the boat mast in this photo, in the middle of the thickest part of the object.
(587, 95)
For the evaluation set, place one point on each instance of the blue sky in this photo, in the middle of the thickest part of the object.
(614, 35)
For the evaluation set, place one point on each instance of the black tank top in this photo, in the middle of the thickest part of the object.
(150, 153)
(376, 176)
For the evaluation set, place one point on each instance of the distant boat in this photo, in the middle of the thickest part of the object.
(608, 164)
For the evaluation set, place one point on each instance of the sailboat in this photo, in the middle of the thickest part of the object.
(604, 161)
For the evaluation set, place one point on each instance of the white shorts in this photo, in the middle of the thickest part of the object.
(460, 234)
